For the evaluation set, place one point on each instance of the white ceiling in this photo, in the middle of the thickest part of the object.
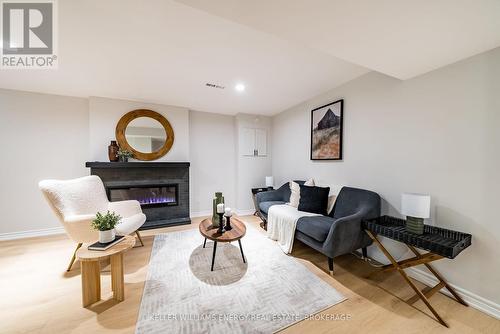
(164, 52)
(401, 38)
(285, 52)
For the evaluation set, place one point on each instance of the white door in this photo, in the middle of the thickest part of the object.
(261, 142)
(247, 142)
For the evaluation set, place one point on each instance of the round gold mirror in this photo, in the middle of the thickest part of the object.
(145, 133)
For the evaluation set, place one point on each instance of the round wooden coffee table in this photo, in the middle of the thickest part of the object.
(210, 232)
(91, 270)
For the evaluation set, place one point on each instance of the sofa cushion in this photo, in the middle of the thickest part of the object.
(295, 191)
(316, 227)
(331, 203)
(314, 199)
(264, 206)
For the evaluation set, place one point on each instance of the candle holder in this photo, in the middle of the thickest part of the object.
(217, 200)
(221, 223)
(228, 226)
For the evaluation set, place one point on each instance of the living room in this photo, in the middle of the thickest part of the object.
(250, 167)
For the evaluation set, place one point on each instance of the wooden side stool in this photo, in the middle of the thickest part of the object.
(91, 271)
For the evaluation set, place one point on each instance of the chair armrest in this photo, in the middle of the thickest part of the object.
(270, 195)
(79, 229)
(79, 219)
(125, 208)
(346, 235)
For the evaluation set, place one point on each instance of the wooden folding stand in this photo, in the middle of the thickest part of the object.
(418, 259)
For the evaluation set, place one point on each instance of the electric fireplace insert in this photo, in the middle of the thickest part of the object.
(147, 195)
(162, 188)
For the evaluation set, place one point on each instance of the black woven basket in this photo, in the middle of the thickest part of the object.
(447, 243)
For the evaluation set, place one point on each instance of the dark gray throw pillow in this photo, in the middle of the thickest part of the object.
(314, 199)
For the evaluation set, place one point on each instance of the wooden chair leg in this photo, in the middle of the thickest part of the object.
(73, 258)
(139, 237)
(330, 265)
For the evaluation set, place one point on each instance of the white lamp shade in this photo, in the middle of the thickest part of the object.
(416, 205)
(269, 181)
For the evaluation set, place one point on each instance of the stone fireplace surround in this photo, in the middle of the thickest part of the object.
(122, 175)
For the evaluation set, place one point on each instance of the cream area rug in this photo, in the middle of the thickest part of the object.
(269, 292)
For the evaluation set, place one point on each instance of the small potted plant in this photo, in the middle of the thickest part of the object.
(123, 155)
(105, 224)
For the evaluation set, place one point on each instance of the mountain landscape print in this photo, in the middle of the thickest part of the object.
(326, 132)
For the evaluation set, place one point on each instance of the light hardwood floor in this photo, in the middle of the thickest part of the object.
(38, 296)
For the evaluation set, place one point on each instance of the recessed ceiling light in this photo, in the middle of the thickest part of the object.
(239, 87)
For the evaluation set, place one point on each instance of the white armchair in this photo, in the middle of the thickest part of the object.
(75, 202)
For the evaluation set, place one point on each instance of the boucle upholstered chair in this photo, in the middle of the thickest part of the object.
(75, 202)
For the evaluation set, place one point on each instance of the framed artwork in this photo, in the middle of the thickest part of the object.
(326, 131)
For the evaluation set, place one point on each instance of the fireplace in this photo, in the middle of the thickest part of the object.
(147, 195)
(162, 188)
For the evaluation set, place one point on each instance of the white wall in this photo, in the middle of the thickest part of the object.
(48, 136)
(437, 134)
(251, 171)
(213, 160)
(43, 136)
(217, 165)
(105, 113)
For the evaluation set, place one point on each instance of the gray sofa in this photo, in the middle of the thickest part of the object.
(336, 234)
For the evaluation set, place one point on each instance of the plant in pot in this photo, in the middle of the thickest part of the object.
(105, 224)
(124, 155)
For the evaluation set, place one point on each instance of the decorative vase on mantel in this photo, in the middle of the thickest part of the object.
(113, 151)
(217, 200)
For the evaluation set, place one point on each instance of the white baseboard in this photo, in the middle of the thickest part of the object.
(201, 214)
(482, 304)
(32, 233)
(60, 229)
(246, 212)
(208, 213)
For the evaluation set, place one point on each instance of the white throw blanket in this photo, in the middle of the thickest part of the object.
(281, 223)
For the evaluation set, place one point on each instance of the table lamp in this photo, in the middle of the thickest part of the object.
(269, 181)
(416, 207)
